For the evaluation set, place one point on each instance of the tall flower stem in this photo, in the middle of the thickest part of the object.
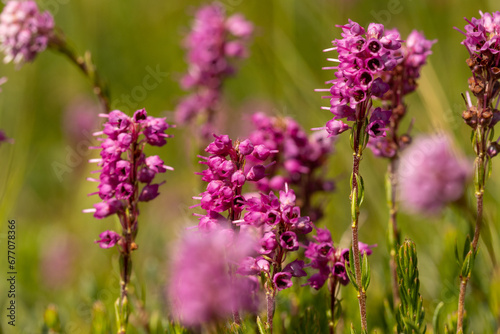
(391, 186)
(358, 145)
(86, 66)
(479, 182)
(333, 300)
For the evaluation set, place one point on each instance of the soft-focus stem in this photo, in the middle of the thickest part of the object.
(358, 150)
(393, 227)
(333, 299)
(271, 300)
(85, 64)
(479, 181)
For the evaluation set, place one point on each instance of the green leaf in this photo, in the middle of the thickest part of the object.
(435, 318)
(365, 273)
(361, 189)
(467, 265)
(353, 331)
(459, 261)
(261, 327)
(467, 246)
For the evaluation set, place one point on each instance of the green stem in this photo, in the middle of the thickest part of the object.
(479, 182)
(391, 186)
(357, 154)
(58, 43)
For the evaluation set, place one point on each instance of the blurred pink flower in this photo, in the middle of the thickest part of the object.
(201, 289)
(431, 175)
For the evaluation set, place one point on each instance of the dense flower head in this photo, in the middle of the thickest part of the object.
(401, 80)
(279, 225)
(431, 175)
(299, 157)
(482, 35)
(213, 43)
(24, 31)
(201, 289)
(362, 56)
(411, 57)
(225, 176)
(123, 164)
(328, 261)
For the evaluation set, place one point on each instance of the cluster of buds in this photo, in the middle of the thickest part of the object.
(330, 262)
(299, 159)
(214, 41)
(226, 174)
(362, 56)
(125, 167)
(24, 31)
(402, 80)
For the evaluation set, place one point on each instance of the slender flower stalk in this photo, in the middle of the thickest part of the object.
(482, 42)
(25, 32)
(363, 56)
(59, 43)
(402, 80)
(124, 169)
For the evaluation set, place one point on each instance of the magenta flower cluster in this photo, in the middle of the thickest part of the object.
(431, 176)
(214, 41)
(362, 57)
(226, 175)
(201, 289)
(329, 261)
(298, 155)
(482, 35)
(24, 31)
(299, 159)
(124, 167)
(402, 80)
(280, 224)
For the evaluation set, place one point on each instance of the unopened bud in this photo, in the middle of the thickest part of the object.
(493, 149)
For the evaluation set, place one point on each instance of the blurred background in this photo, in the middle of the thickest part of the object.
(49, 110)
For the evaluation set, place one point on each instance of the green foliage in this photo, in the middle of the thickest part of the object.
(411, 315)
(100, 319)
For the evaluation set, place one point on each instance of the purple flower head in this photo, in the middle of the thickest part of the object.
(108, 239)
(431, 175)
(201, 290)
(24, 31)
(482, 34)
(123, 163)
(361, 59)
